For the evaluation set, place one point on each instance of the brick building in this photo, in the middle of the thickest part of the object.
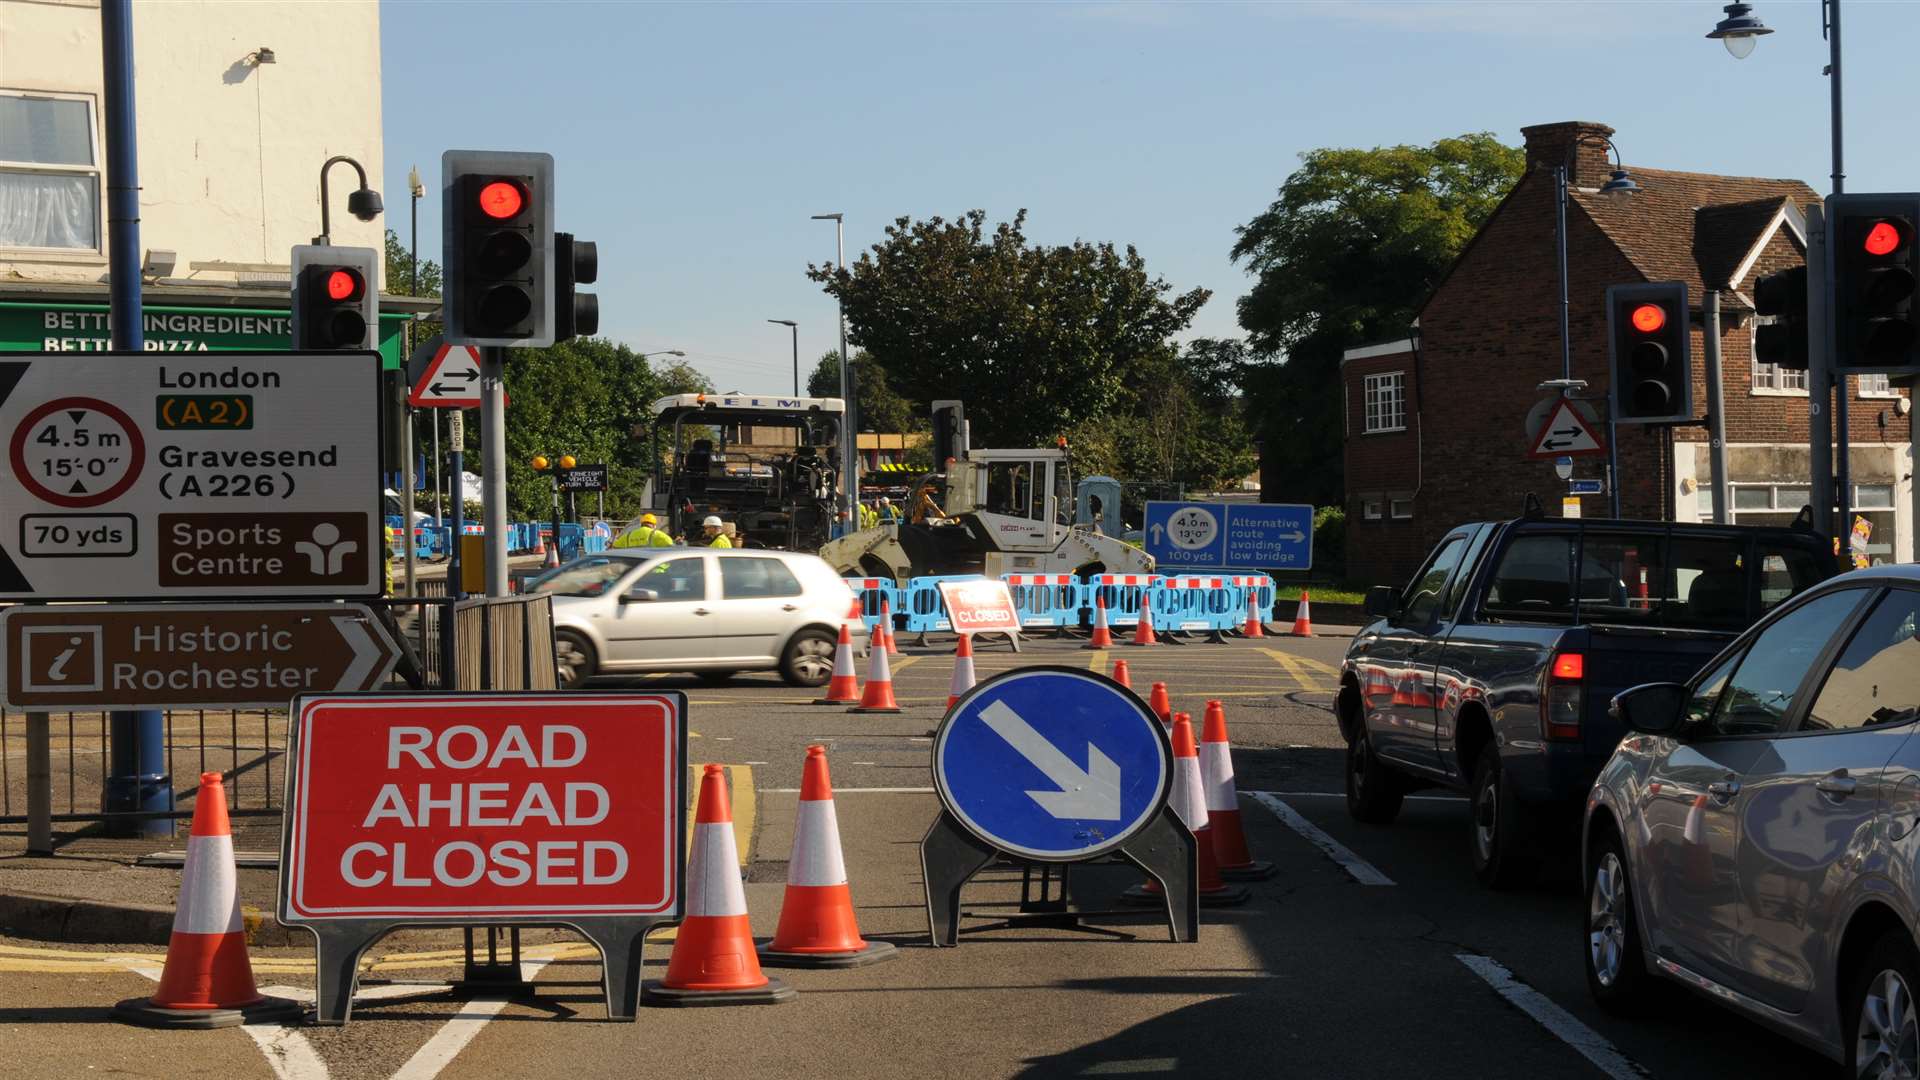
(1435, 423)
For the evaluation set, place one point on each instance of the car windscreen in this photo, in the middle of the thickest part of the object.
(1651, 578)
(591, 576)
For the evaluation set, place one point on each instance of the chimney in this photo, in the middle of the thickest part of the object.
(1580, 145)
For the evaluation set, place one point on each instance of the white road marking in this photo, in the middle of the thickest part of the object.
(1358, 868)
(1591, 1044)
(854, 791)
(363, 993)
(288, 1053)
(453, 1036)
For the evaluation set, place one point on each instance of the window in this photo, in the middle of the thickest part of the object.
(1010, 488)
(1533, 580)
(1785, 572)
(1773, 377)
(754, 579)
(677, 579)
(1422, 601)
(1877, 386)
(1768, 504)
(1707, 692)
(1386, 403)
(1761, 693)
(1873, 496)
(1401, 506)
(589, 577)
(1877, 680)
(1371, 507)
(49, 173)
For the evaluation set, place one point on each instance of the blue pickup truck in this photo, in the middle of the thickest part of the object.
(1492, 670)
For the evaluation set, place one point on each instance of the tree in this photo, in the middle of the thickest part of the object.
(1036, 339)
(400, 270)
(1344, 257)
(1182, 424)
(880, 407)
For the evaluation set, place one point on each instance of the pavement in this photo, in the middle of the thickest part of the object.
(1372, 951)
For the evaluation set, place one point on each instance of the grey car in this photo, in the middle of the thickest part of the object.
(1756, 835)
(709, 611)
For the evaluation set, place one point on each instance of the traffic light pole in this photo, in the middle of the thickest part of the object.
(1716, 405)
(1840, 488)
(1819, 375)
(493, 463)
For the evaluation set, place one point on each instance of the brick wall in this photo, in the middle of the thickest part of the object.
(1381, 466)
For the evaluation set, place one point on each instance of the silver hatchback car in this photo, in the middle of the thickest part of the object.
(710, 611)
(1756, 837)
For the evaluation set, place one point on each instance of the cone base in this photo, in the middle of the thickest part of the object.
(1257, 870)
(876, 708)
(835, 701)
(143, 1012)
(874, 953)
(1098, 645)
(1225, 896)
(775, 992)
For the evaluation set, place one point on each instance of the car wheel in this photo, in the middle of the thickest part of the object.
(808, 660)
(1500, 857)
(1374, 790)
(573, 657)
(1881, 1011)
(1616, 968)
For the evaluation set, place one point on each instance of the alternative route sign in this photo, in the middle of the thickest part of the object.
(1052, 763)
(436, 809)
(1564, 433)
(188, 656)
(1229, 536)
(190, 475)
(444, 376)
(979, 606)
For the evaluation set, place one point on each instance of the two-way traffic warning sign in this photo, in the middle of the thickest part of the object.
(444, 376)
(1566, 433)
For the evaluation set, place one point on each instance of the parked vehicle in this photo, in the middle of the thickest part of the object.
(1757, 836)
(710, 611)
(1491, 671)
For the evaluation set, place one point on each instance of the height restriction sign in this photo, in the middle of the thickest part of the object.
(181, 475)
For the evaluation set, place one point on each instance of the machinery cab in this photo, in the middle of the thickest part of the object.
(765, 463)
(1023, 499)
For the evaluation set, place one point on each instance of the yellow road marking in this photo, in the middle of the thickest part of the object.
(903, 662)
(1098, 661)
(1296, 667)
(742, 799)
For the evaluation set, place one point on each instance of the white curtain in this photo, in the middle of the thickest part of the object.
(48, 210)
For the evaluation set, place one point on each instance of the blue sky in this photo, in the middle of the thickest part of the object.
(694, 141)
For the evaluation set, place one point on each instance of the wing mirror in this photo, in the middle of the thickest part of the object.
(639, 596)
(1652, 708)
(1380, 601)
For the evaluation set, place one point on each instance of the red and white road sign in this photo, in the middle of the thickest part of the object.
(503, 807)
(450, 380)
(982, 606)
(1565, 434)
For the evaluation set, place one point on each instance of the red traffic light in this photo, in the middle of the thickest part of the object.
(343, 284)
(1882, 239)
(1647, 318)
(502, 199)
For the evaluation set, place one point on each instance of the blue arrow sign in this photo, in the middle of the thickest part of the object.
(1052, 763)
(1229, 536)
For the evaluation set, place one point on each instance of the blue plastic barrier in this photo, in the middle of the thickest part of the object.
(1122, 593)
(1263, 590)
(1197, 602)
(923, 606)
(871, 591)
(1047, 599)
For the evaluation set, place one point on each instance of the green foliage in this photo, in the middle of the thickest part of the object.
(1344, 257)
(1178, 422)
(1330, 541)
(879, 407)
(1036, 339)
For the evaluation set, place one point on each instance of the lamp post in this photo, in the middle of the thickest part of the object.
(1620, 190)
(795, 327)
(363, 203)
(850, 464)
(1740, 31)
(415, 192)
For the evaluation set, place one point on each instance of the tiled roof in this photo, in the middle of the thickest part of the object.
(1691, 227)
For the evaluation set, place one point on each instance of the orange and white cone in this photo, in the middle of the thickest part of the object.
(207, 981)
(1188, 799)
(1121, 675)
(817, 923)
(1161, 705)
(1230, 850)
(1695, 832)
(877, 695)
(553, 555)
(713, 960)
(1102, 633)
(1303, 618)
(963, 679)
(844, 688)
(1256, 627)
(1143, 630)
(886, 628)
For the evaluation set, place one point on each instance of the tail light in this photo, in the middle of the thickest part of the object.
(1560, 706)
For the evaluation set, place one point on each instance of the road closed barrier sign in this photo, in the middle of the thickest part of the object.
(980, 606)
(531, 808)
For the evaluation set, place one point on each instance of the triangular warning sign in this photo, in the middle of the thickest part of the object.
(1566, 434)
(450, 379)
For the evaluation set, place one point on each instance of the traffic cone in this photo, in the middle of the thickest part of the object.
(845, 687)
(1303, 618)
(877, 695)
(1143, 630)
(1694, 832)
(553, 554)
(1256, 626)
(1102, 634)
(962, 670)
(1230, 851)
(1121, 675)
(817, 924)
(207, 981)
(1158, 702)
(713, 960)
(886, 628)
(1188, 799)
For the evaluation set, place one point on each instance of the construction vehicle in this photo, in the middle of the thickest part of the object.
(766, 463)
(1000, 512)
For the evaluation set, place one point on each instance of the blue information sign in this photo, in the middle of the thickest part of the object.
(1052, 763)
(1229, 536)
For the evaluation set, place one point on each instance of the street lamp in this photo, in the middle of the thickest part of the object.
(1740, 31)
(364, 203)
(662, 352)
(1619, 190)
(795, 327)
(850, 462)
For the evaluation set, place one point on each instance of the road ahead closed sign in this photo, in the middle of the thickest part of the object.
(981, 606)
(489, 807)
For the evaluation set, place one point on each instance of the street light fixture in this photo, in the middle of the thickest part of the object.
(364, 203)
(1740, 31)
(662, 352)
(795, 327)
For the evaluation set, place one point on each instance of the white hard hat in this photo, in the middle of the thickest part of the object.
(712, 522)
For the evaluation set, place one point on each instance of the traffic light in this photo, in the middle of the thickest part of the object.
(336, 299)
(1784, 341)
(1876, 274)
(497, 248)
(575, 263)
(1650, 353)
